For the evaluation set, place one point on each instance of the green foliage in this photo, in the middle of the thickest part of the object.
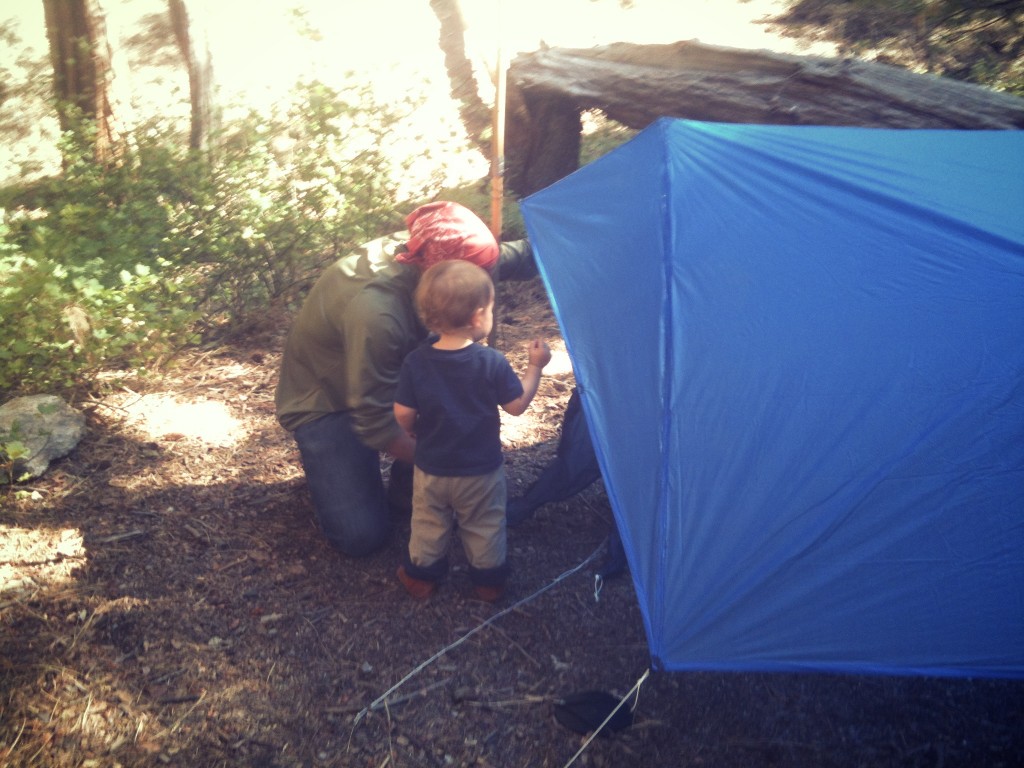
(85, 281)
(25, 90)
(288, 191)
(117, 266)
(478, 198)
(601, 135)
(981, 41)
(12, 451)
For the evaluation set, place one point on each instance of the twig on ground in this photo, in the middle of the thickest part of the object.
(191, 709)
(121, 536)
(516, 645)
(528, 700)
(389, 702)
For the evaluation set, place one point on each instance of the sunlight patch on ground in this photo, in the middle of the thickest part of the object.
(164, 416)
(521, 431)
(34, 558)
(517, 431)
(560, 363)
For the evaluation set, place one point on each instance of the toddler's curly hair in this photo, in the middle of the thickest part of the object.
(450, 292)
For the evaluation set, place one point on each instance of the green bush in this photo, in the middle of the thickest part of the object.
(289, 191)
(12, 451)
(601, 135)
(118, 266)
(85, 281)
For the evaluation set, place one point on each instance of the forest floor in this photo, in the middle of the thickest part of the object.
(167, 599)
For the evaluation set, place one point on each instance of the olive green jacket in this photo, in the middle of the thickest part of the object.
(357, 324)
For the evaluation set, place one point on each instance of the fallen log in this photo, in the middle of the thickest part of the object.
(636, 84)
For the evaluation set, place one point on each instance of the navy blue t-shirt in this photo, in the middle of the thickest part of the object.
(456, 394)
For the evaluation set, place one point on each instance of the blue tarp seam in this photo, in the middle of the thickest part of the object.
(668, 366)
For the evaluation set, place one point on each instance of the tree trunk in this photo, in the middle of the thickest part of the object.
(636, 84)
(192, 39)
(542, 139)
(82, 74)
(476, 116)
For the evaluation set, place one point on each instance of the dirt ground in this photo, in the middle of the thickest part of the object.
(166, 599)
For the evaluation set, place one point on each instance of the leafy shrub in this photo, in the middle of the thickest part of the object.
(120, 265)
(12, 450)
(980, 41)
(601, 135)
(84, 279)
(289, 191)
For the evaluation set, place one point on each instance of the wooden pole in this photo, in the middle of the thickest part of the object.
(498, 150)
(498, 133)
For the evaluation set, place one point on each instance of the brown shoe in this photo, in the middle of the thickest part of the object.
(418, 588)
(488, 594)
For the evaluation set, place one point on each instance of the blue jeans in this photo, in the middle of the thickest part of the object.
(345, 482)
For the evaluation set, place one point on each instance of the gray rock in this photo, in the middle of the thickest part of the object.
(45, 425)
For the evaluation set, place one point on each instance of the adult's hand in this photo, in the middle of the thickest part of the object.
(402, 448)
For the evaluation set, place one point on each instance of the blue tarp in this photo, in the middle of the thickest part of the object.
(800, 352)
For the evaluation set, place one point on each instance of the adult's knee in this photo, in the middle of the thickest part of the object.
(355, 527)
(359, 543)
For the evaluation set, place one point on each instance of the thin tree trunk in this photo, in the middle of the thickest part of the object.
(476, 116)
(80, 54)
(190, 33)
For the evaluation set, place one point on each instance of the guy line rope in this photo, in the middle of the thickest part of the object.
(381, 700)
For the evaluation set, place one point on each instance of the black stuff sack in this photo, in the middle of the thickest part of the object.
(584, 712)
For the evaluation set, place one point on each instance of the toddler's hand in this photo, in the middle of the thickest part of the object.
(540, 353)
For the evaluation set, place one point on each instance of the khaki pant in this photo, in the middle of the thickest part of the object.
(475, 505)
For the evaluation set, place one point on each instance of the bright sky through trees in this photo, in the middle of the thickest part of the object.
(261, 47)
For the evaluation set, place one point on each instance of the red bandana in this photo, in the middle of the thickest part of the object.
(445, 231)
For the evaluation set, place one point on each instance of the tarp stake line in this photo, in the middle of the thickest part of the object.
(382, 699)
(630, 692)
